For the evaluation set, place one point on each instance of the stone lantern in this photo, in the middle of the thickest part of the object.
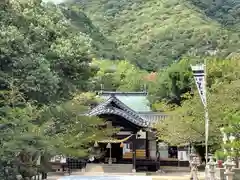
(194, 163)
(229, 165)
(212, 167)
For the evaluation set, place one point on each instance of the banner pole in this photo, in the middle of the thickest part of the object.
(200, 77)
(206, 119)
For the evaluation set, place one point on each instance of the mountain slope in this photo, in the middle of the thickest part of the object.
(154, 33)
(103, 47)
(226, 12)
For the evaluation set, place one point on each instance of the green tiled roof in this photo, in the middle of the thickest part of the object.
(137, 101)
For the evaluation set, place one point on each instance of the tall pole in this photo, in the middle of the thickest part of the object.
(206, 138)
(206, 114)
(200, 77)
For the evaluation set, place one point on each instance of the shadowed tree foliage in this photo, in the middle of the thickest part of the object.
(225, 12)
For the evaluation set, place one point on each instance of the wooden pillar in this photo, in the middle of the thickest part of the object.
(158, 155)
(134, 153)
(147, 146)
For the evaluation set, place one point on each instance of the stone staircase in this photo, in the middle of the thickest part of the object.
(108, 168)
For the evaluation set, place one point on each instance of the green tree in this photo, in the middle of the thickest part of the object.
(187, 120)
(41, 52)
(77, 132)
(222, 11)
(44, 132)
(171, 83)
(22, 139)
(102, 46)
(232, 129)
(44, 56)
(118, 75)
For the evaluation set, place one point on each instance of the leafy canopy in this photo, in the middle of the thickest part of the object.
(41, 53)
(44, 62)
(187, 120)
(32, 132)
(118, 75)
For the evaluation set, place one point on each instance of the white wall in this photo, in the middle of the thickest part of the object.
(163, 150)
(152, 149)
(183, 156)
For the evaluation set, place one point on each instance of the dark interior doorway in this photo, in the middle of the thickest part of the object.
(117, 152)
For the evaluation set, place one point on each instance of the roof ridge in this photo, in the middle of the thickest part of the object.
(145, 93)
(127, 108)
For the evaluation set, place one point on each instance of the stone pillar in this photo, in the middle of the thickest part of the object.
(212, 168)
(109, 146)
(229, 165)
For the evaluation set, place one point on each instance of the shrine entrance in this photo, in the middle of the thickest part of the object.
(112, 149)
(115, 152)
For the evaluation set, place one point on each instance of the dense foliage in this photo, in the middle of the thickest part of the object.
(232, 131)
(50, 54)
(102, 47)
(43, 51)
(154, 33)
(225, 12)
(45, 62)
(117, 75)
(170, 84)
(188, 121)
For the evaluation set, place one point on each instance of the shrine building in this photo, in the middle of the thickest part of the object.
(136, 142)
(135, 146)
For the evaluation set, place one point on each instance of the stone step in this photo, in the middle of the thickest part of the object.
(109, 168)
(174, 169)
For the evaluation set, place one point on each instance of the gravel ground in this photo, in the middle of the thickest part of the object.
(166, 176)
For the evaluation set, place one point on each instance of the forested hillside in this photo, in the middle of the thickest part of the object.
(102, 46)
(53, 57)
(156, 33)
(225, 12)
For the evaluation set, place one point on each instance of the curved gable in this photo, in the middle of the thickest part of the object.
(120, 109)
